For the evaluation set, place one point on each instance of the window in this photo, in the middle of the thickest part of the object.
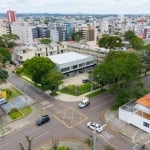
(89, 62)
(81, 65)
(74, 67)
(65, 69)
(146, 124)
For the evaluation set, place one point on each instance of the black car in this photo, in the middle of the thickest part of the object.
(42, 120)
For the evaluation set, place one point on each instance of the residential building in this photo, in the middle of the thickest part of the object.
(24, 31)
(146, 32)
(137, 113)
(72, 63)
(11, 16)
(62, 33)
(22, 53)
(88, 32)
(139, 27)
(54, 34)
(97, 52)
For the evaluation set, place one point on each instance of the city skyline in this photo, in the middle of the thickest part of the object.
(78, 6)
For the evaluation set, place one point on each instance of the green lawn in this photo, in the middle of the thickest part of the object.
(19, 113)
(15, 114)
(78, 90)
(12, 93)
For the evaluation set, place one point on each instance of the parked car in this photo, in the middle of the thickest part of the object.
(85, 80)
(95, 126)
(3, 101)
(42, 120)
(85, 102)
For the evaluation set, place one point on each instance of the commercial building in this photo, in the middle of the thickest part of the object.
(137, 113)
(11, 16)
(72, 63)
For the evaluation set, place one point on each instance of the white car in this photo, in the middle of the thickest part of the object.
(85, 102)
(95, 126)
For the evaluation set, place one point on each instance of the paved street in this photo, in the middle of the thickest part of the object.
(67, 121)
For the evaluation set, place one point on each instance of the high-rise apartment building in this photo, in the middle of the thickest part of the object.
(88, 33)
(11, 16)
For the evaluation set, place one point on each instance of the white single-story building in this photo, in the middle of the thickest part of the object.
(137, 113)
(71, 63)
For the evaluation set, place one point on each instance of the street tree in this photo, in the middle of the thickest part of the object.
(120, 70)
(37, 67)
(145, 58)
(45, 41)
(136, 42)
(5, 54)
(9, 40)
(52, 80)
(110, 42)
(3, 75)
(129, 35)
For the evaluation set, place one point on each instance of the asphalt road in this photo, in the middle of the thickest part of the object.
(67, 121)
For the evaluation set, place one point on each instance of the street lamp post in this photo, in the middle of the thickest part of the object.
(94, 140)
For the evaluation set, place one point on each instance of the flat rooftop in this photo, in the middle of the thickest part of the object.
(68, 57)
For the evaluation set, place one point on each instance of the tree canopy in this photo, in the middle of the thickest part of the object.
(37, 67)
(8, 40)
(3, 75)
(110, 42)
(136, 42)
(120, 70)
(45, 41)
(5, 54)
(52, 80)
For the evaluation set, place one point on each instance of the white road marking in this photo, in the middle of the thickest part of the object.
(107, 134)
(93, 108)
(41, 135)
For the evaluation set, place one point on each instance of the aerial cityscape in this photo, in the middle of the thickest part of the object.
(75, 75)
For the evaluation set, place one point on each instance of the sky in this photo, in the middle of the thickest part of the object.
(77, 6)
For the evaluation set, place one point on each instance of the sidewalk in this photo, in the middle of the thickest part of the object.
(10, 126)
(137, 136)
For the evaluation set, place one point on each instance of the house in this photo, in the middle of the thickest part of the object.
(137, 113)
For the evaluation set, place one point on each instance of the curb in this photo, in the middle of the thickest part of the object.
(69, 139)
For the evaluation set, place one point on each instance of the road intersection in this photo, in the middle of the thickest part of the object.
(67, 120)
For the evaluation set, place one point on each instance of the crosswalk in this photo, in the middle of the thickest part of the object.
(107, 135)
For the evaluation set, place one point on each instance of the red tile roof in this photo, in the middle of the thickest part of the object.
(145, 100)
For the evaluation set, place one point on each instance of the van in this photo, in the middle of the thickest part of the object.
(85, 102)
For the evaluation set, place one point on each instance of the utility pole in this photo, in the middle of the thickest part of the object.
(92, 81)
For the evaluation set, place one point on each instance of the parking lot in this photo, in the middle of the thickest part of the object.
(75, 80)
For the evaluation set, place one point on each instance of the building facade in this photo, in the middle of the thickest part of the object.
(72, 63)
(137, 113)
(11, 16)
